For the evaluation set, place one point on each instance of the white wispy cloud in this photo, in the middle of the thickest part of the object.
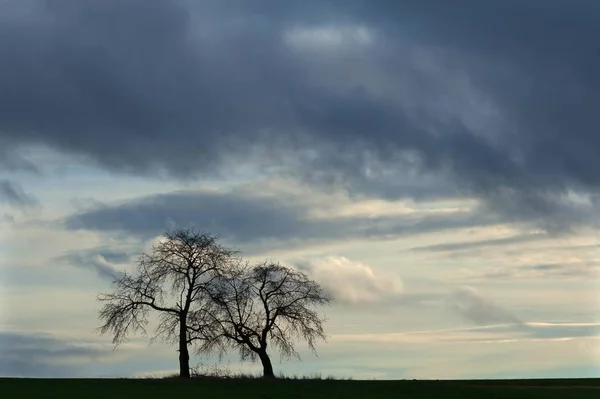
(352, 282)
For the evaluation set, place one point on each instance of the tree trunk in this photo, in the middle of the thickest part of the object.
(184, 355)
(266, 363)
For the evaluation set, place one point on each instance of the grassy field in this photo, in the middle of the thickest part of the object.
(251, 389)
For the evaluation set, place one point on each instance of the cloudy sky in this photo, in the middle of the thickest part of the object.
(432, 163)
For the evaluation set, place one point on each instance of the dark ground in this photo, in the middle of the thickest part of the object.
(254, 389)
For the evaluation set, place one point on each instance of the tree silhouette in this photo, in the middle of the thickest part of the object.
(254, 307)
(174, 282)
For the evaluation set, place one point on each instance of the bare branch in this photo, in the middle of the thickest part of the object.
(267, 304)
(175, 281)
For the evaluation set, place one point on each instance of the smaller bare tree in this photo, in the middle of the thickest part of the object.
(173, 282)
(253, 307)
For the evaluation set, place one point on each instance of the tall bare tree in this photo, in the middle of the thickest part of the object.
(267, 304)
(173, 282)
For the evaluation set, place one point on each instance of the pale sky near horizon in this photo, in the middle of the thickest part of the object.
(431, 163)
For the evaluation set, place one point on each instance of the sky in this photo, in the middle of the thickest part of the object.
(431, 163)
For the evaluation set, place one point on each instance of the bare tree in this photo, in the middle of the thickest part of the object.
(253, 307)
(173, 281)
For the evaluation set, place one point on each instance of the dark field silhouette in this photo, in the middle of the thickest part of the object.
(249, 388)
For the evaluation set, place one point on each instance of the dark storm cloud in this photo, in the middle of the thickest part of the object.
(126, 83)
(12, 194)
(245, 219)
(41, 355)
(539, 61)
(191, 87)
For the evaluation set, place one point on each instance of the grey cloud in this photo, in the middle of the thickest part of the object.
(252, 221)
(104, 261)
(192, 87)
(469, 245)
(555, 214)
(7, 219)
(13, 161)
(538, 331)
(553, 270)
(44, 356)
(113, 256)
(13, 194)
(473, 306)
(561, 330)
